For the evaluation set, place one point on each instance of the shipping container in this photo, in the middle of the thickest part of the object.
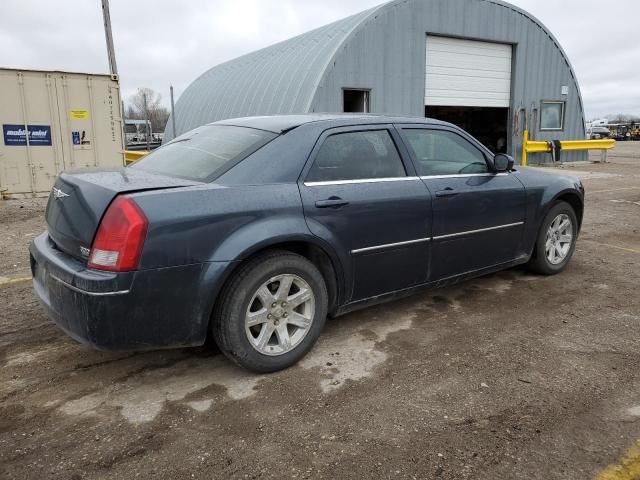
(55, 121)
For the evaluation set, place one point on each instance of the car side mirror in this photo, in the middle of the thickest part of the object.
(503, 163)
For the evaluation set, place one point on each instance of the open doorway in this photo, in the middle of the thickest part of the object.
(356, 101)
(488, 125)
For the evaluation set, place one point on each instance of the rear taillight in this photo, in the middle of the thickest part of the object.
(120, 238)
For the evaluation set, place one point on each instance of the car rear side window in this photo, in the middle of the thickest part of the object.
(205, 153)
(440, 152)
(370, 154)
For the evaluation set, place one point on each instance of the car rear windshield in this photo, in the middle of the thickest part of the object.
(205, 153)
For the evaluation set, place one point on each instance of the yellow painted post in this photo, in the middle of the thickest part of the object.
(525, 141)
(132, 157)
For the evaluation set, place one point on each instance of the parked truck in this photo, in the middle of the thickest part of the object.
(54, 121)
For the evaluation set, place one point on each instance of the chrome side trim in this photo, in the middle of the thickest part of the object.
(425, 240)
(390, 245)
(500, 227)
(84, 292)
(466, 175)
(364, 180)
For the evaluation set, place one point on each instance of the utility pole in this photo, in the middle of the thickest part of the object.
(146, 121)
(173, 113)
(113, 67)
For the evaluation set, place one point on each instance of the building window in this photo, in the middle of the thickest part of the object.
(552, 115)
(356, 101)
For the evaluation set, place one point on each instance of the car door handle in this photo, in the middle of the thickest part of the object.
(447, 192)
(333, 202)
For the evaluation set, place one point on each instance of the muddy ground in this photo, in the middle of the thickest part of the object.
(511, 376)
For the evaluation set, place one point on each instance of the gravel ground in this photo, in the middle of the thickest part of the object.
(20, 221)
(508, 376)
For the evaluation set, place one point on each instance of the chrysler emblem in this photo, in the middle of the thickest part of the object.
(59, 193)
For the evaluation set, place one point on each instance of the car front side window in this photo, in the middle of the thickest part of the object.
(440, 152)
(363, 155)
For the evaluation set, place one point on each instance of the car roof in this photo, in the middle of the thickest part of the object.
(284, 123)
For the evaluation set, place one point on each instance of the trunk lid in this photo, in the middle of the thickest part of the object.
(79, 200)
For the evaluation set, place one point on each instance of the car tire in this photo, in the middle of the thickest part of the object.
(259, 291)
(554, 249)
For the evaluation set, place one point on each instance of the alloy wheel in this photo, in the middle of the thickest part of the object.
(279, 315)
(559, 239)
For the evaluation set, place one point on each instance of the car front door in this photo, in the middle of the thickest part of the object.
(362, 197)
(478, 215)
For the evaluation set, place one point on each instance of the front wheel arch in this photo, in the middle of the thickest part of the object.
(576, 203)
(537, 262)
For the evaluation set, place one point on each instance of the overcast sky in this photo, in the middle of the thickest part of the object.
(159, 42)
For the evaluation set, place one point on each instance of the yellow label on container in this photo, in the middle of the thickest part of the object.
(79, 114)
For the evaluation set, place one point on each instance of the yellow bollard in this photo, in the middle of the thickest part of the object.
(132, 157)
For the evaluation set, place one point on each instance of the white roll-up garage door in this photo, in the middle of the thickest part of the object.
(467, 73)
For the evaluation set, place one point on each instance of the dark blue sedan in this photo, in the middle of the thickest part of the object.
(252, 231)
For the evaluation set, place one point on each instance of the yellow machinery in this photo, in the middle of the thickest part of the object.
(532, 146)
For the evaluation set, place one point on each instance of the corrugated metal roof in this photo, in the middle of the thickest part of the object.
(279, 79)
(382, 49)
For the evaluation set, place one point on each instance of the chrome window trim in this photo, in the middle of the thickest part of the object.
(481, 230)
(404, 179)
(84, 292)
(390, 245)
(359, 181)
(464, 175)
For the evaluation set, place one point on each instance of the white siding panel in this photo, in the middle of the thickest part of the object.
(467, 73)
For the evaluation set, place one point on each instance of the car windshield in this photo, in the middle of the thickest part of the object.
(205, 153)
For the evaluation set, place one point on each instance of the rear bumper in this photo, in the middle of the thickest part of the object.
(161, 308)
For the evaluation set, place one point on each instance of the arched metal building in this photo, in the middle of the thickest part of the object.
(485, 65)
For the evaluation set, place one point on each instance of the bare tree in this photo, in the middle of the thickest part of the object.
(132, 114)
(623, 118)
(147, 103)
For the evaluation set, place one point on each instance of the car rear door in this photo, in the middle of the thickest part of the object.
(478, 216)
(363, 197)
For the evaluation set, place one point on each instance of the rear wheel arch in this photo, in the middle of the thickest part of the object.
(316, 254)
(322, 260)
(279, 340)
